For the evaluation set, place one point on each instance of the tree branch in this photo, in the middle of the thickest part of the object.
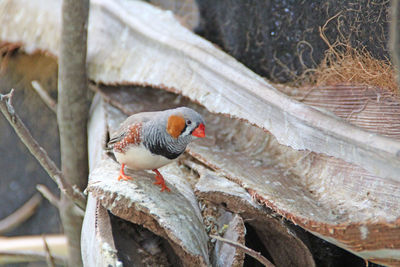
(25, 256)
(53, 199)
(30, 248)
(37, 151)
(49, 257)
(20, 215)
(256, 255)
(47, 99)
(73, 106)
(72, 115)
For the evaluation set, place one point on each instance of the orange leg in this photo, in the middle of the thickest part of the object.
(122, 175)
(160, 180)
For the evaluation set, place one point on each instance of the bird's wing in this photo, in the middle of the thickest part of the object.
(116, 139)
(131, 122)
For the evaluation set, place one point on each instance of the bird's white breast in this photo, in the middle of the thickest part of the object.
(140, 158)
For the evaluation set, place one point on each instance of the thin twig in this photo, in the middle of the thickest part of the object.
(30, 248)
(49, 257)
(25, 256)
(47, 99)
(20, 215)
(256, 255)
(20, 256)
(40, 154)
(53, 199)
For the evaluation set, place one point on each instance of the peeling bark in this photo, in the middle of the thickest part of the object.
(224, 254)
(303, 187)
(280, 238)
(98, 245)
(173, 216)
(169, 215)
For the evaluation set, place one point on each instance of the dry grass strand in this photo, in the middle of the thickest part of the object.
(344, 64)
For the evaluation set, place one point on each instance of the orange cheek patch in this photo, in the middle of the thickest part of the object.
(175, 125)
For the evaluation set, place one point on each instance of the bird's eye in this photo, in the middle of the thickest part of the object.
(188, 122)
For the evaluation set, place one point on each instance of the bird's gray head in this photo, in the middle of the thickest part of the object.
(184, 122)
(172, 131)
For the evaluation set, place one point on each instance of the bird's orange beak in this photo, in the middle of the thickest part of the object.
(199, 131)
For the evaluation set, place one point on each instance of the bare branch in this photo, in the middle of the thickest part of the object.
(40, 154)
(47, 99)
(49, 257)
(73, 106)
(72, 115)
(256, 255)
(25, 256)
(53, 199)
(30, 248)
(20, 215)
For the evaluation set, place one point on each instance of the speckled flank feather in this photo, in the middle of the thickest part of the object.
(132, 137)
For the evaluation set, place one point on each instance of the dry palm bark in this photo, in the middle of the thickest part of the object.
(175, 217)
(97, 242)
(140, 202)
(225, 254)
(328, 175)
(284, 245)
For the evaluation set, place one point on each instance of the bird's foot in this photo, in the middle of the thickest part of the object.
(160, 181)
(122, 175)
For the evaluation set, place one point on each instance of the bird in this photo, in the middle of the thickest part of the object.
(150, 140)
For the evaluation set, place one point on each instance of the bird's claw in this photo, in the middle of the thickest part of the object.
(163, 185)
(160, 181)
(124, 177)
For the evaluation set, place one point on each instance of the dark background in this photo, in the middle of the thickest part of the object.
(280, 39)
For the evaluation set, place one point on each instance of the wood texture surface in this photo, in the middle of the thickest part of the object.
(280, 238)
(97, 241)
(335, 200)
(330, 166)
(131, 42)
(225, 254)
